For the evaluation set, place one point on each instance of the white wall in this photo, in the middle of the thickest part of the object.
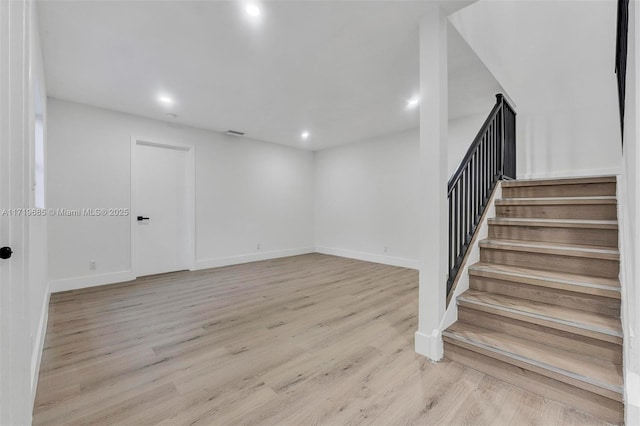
(247, 192)
(367, 193)
(629, 198)
(367, 199)
(555, 59)
(461, 133)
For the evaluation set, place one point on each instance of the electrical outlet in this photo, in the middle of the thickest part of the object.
(258, 246)
(92, 265)
(386, 249)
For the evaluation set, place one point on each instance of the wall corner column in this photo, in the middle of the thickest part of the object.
(433, 184)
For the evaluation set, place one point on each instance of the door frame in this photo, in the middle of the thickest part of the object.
(190, 203)
(16, 394)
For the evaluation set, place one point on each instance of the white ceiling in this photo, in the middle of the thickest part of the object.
(343, 70)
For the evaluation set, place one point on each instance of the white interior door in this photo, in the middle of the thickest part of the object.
(161, 208)
(15, 338)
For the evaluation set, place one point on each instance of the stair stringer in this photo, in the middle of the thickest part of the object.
(472, 257)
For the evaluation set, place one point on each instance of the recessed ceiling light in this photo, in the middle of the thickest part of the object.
(304, 135)
(252, 10)
(413, 102)
(165, 100)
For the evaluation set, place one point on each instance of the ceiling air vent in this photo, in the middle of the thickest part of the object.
(234, 133)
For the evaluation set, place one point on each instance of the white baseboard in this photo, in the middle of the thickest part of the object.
(86, 281)
(430, 346)
(252, 257)
(632, 414)
(632, 398)
(609, 171)
(38, 346)
(370, 257)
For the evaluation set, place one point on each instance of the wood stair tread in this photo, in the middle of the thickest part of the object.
(555, 223)
(608, 253)
(566, 181)
(606, 199)
(567, 281)
(557, 363)
(574, 318)
(543, 306)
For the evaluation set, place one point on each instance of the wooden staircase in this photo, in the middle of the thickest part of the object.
(543, 307)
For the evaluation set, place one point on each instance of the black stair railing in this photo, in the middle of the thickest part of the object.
(491, 157)
(621, 56)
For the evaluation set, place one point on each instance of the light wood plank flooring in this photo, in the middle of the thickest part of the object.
(310, 339)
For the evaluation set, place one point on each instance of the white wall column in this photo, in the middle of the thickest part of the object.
(433, 183)
(629, 218)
